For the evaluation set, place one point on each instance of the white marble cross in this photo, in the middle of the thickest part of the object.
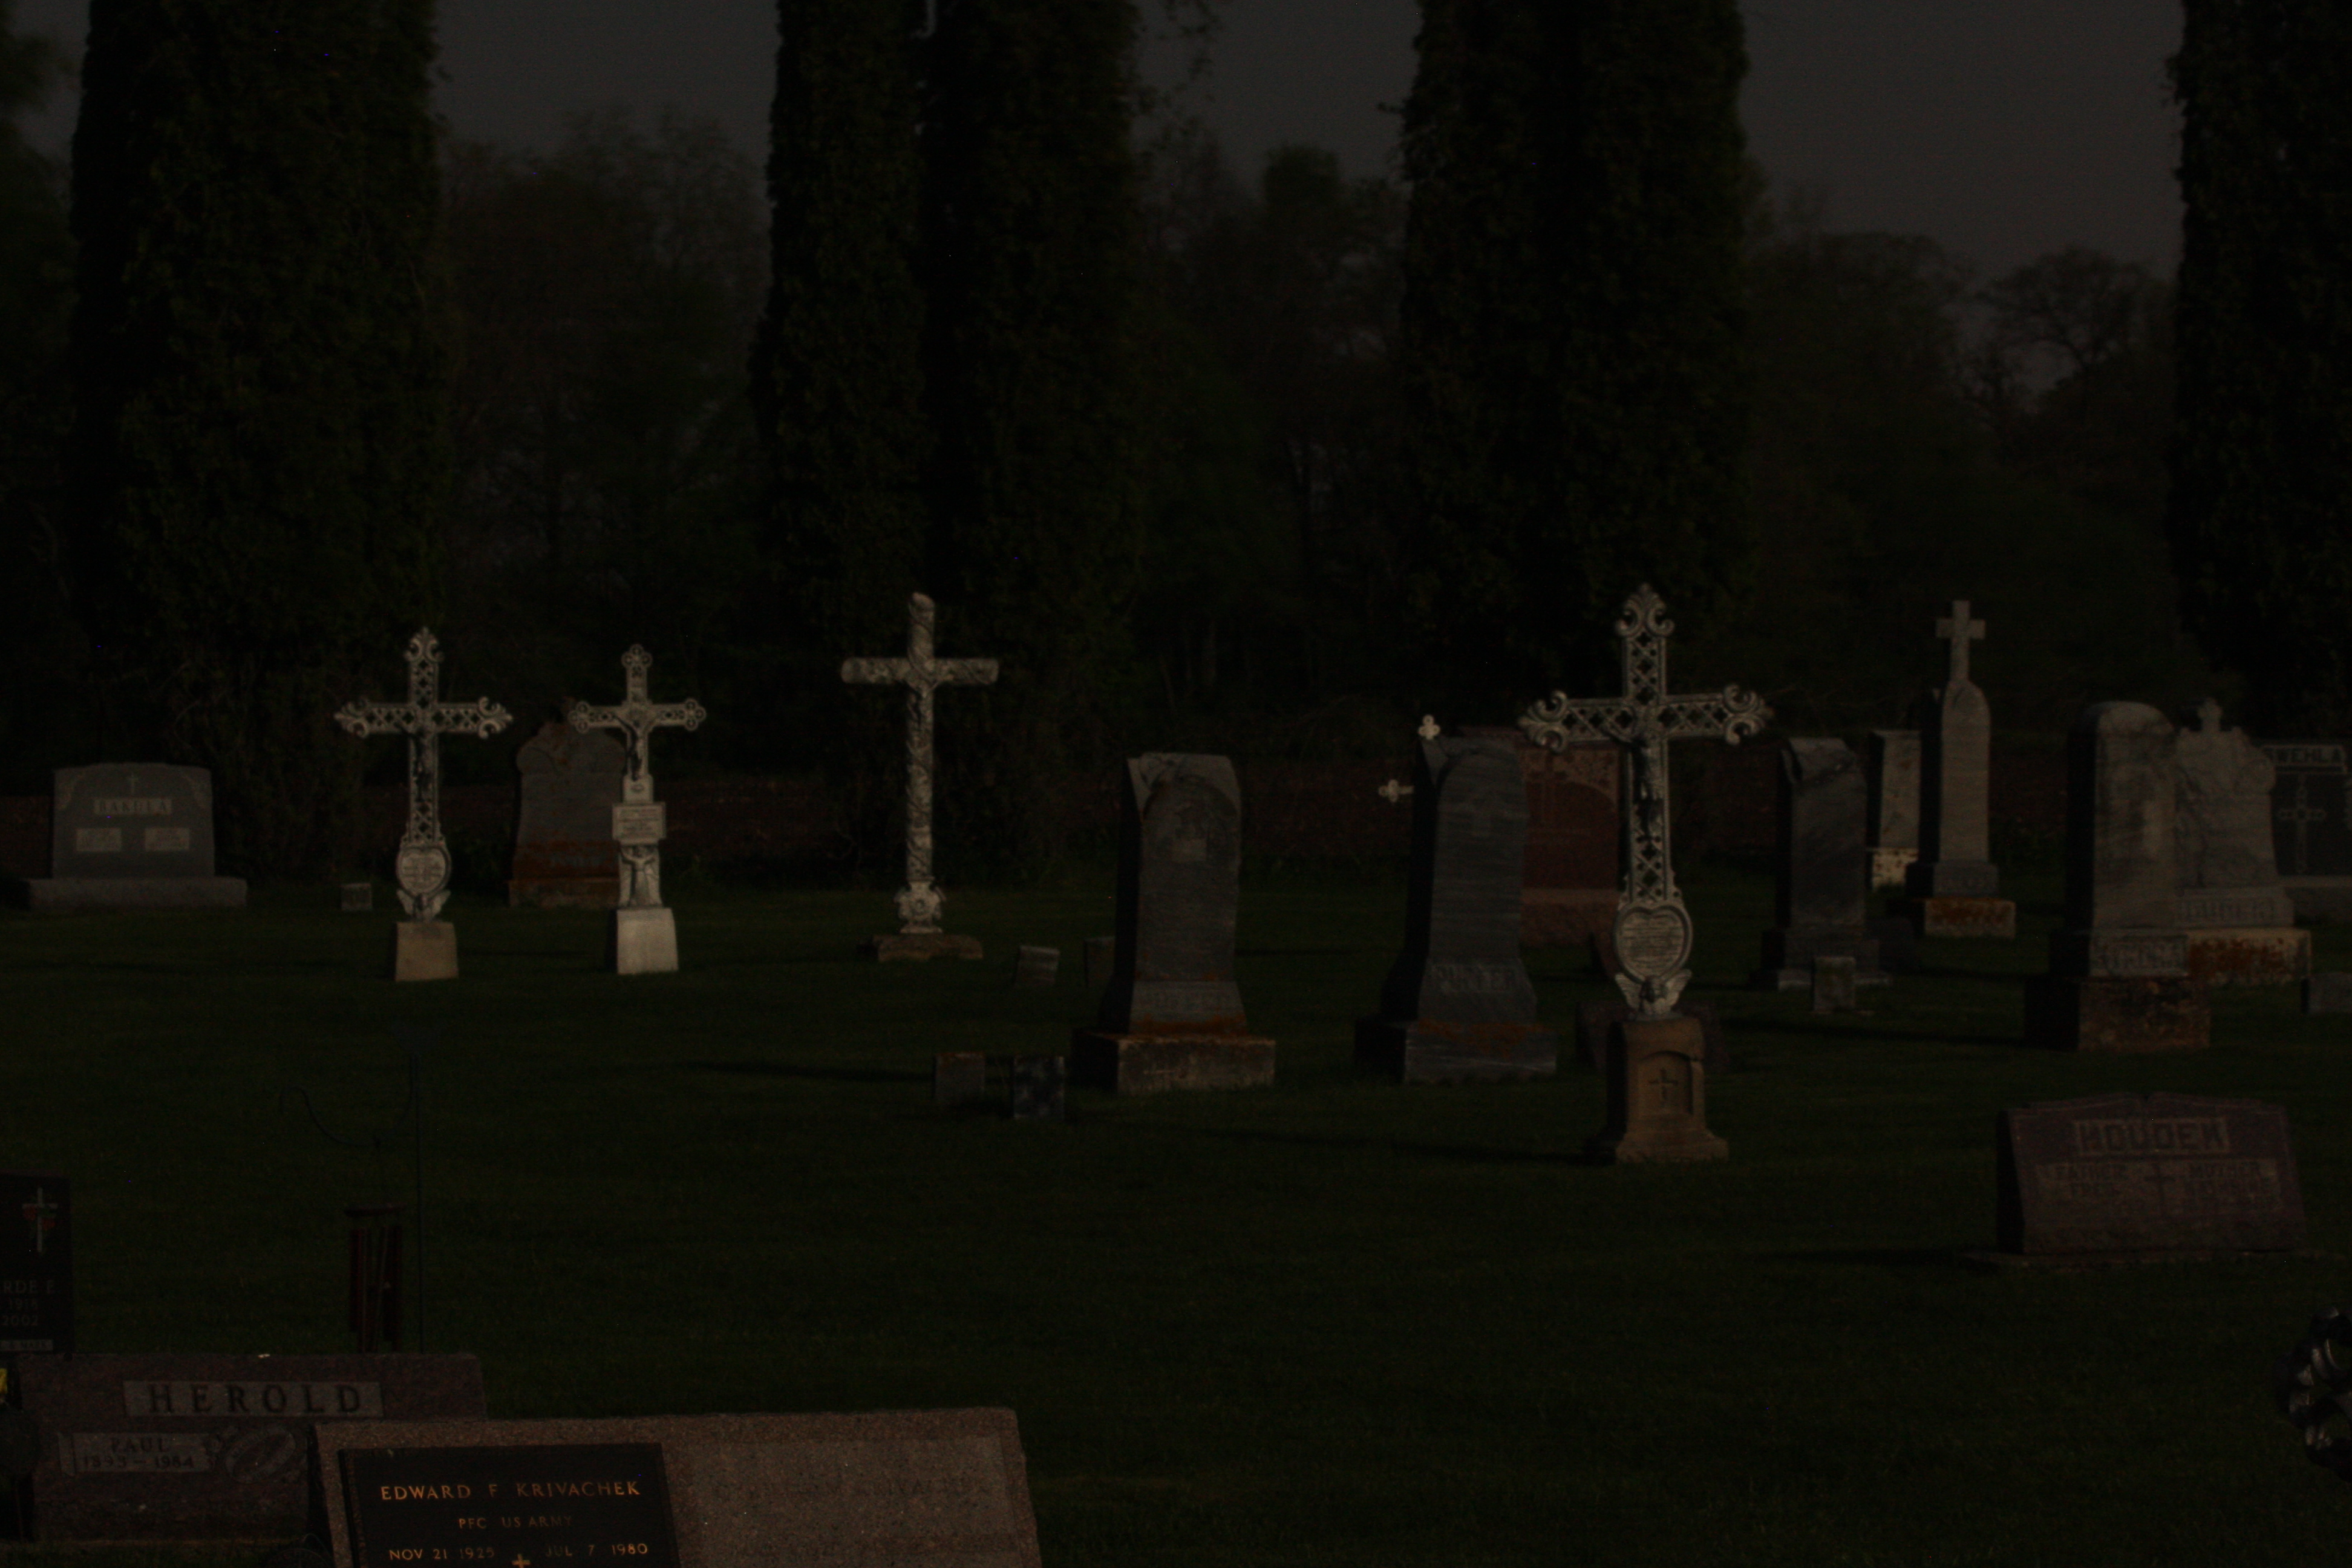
(422, 869)
(638, 824)
(921, 900)
(1960, 631)
(1652, 931)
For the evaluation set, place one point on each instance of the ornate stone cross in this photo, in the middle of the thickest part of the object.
(1959, 631)
(639, 824)
(920, 901)
(1652, 931)
(422, 869)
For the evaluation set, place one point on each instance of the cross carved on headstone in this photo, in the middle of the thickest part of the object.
(638, 825)
(921, 900)
(1653, 930)
(2300, 816)
(1959, 631)
(41, 1215)
(422, 869)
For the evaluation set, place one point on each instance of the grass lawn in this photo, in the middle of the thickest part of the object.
(1331, 1322)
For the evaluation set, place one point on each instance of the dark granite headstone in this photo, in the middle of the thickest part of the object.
(1824, 866)
(129, 836)
(1036, 1085)
(565, 856)
(36, 1263)
(919, 1488)
(1573, 866)
(1457, 1003)
(2130, 1175)
(2311, 826)
(208, 1448)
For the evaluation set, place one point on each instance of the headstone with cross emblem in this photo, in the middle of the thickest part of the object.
(425, 946)
(132, 835)
(2241, 926)
(1656, 1057)
(643, 933)
(1457, 1005)
(35, 1264)
(1954, 886)
(922, 673)
(1821, 904)
(2311, 827)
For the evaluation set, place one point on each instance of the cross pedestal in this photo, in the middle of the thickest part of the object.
(643, 933)
(921, 901)
(423, 946)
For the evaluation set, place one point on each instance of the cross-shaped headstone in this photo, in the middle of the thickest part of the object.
(1959, 631)
(1653, 930)
(639, 824)
(422, 868)
(920, 901)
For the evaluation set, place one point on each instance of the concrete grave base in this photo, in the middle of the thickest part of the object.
(563, 893)
(1657, 1095)
(644, 941)
(1425, 1051)
(105, 895)
(2153, 1012)
(1153, 1064)
(2266, 955)
(423, 950)
(918, 948)
(1995, 917)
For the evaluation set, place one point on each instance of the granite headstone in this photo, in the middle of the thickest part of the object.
(133, 836)
(564, 854)
(1572, 868)
(1892, 760)
(2240, 923)
(2311, 827)
(1821, 903)
(36, 1263)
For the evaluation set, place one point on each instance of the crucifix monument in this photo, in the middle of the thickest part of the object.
(425, 947)
(1954, 885)
(1657, 1102)
(921, 673)
(644, 934)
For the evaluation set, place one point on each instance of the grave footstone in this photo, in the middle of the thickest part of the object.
(917, 1489)
(35, 1264)
(564, 855)
(2118, 1178)
(2239, 923)
(1035, 1083)
(1172, 1015)
(188, 1448)
(132, 835)
(1955, 886)
(1893, 760)
(2311, 831)
(2118, 976)
(1822, 902)
(1457, 1005)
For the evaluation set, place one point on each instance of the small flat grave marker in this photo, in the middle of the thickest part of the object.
(1037, 1088)
(36, 1263)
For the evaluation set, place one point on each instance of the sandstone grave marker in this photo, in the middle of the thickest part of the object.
(132, 835)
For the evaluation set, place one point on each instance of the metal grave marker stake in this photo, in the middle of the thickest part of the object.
(644, 934)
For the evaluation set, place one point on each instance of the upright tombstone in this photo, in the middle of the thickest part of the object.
(922, 674)
(564, 855)
(1955, 886)
(132, 835)
(35, 1264)
(1821, 902)
(2118, 976)
(2311, 826)
(1657, 1069)
(645, 933)
(2241, 925)
(1573, 865)
(1457, 1005)
(1171, 1016)
(1892, 760)
(423, 946)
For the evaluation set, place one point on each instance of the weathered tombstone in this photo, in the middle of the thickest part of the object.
(2329, 990)
(1955, 886)
(1822, 902)
(35, 1264)
(423, 946)
(564, 856)
(1833, 984)
(1037, 1088)
(1037, 968)
(1457, 1005)
(644, 933)
(1572, 870)
(959, 1077)
(918, 1489)
(1172, 1015)
(920, 901)
(208, 1448)
(2239, 923)
(2118, 976)
(2130, 1177)
(132, 835)
(1657, 1090)
(1893, 760)
(2311, 827)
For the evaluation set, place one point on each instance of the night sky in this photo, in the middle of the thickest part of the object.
(2001, 128)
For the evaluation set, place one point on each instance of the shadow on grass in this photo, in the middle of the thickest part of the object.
(1883, 1257)
(834, 1075)
(1468, 1153)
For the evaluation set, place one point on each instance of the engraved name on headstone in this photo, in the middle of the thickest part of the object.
(2311, 826)
(133, 836)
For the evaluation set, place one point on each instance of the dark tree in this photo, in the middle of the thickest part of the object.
(261, 452)
(2262, 460)
(1571, 330)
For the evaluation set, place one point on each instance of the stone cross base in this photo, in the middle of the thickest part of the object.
(98, 895)
(1153, 1064)
(1596, 1026)
(2257, 955)
(1989, 918)
(1890, 867)
(1657, 1095)
(644, 941)
(1425, 1051)
(2152, 1012)
(918, 948)
(563, 893)
(423, 950)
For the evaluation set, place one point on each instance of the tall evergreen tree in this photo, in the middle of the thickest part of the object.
(2262, 459)
(1571, 330)
(259, 456)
